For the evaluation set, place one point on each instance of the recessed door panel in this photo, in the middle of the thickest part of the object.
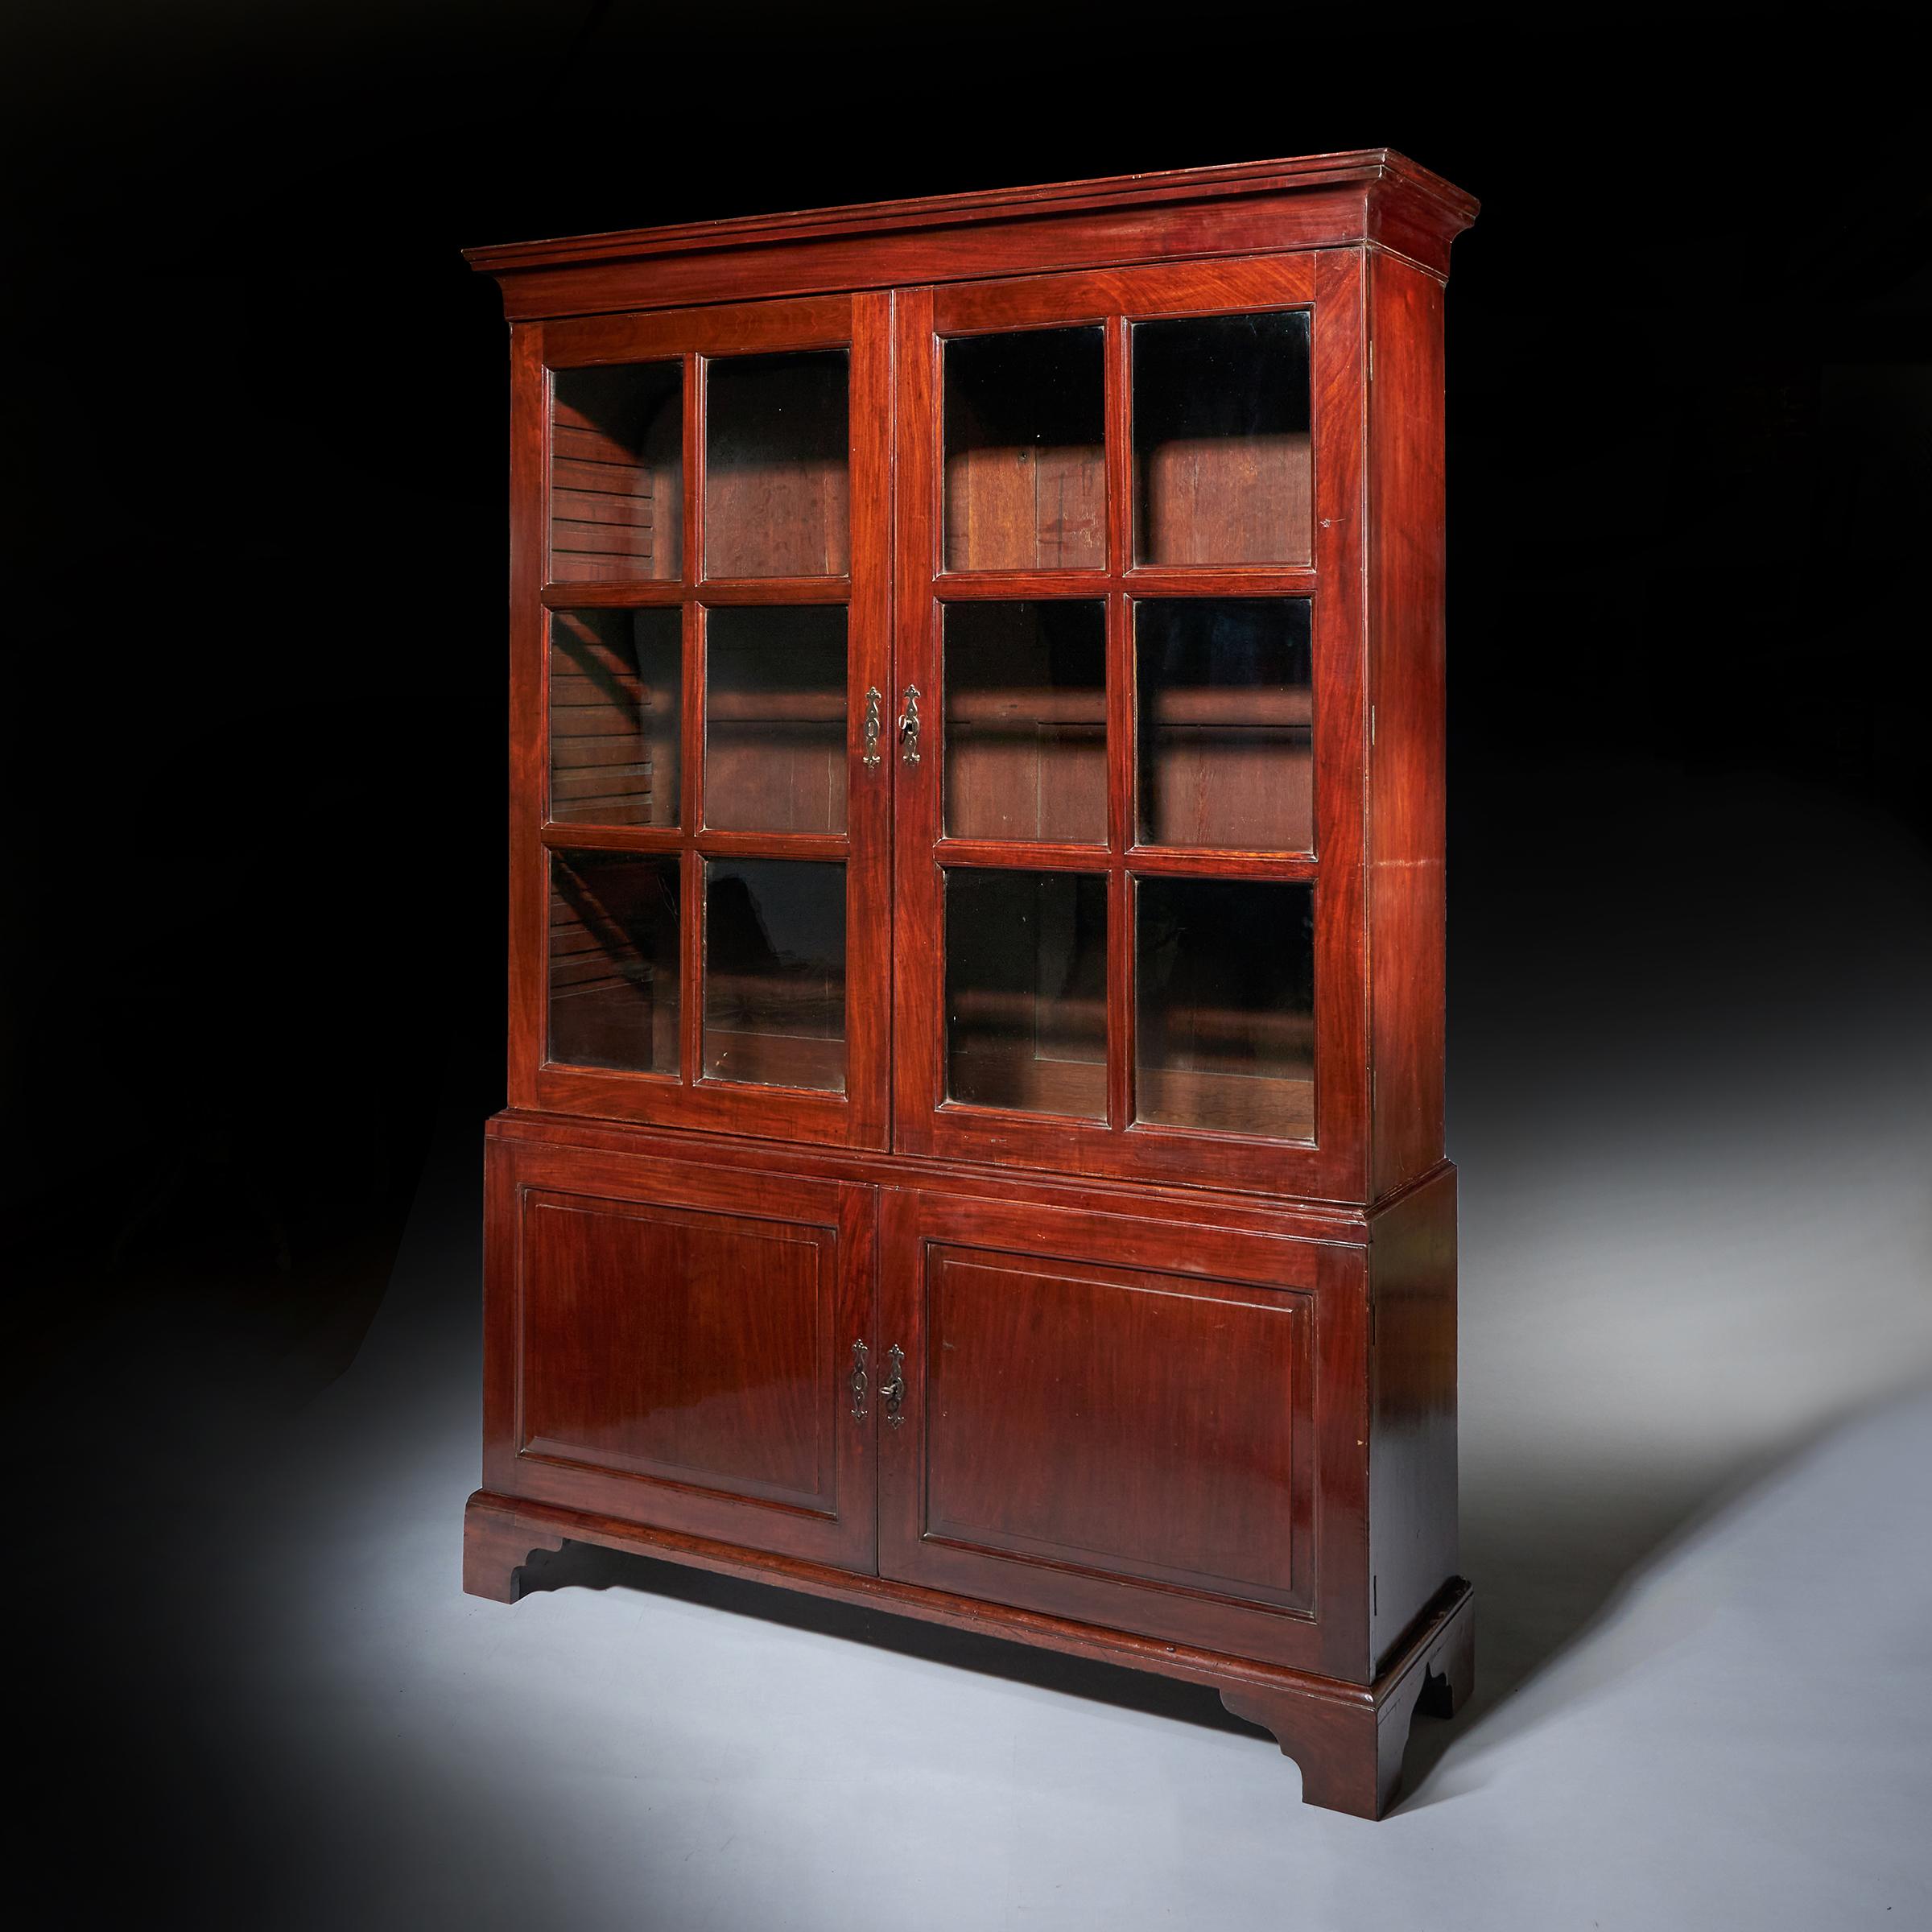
(1125, 1423)
(1148, 1427)
(680, 1345)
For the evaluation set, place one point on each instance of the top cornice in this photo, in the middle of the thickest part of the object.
(1363, 167)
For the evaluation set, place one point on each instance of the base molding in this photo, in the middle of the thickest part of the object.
(1347, 1739)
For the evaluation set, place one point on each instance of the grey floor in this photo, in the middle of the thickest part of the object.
(1697, 1427)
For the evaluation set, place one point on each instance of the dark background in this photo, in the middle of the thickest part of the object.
(255, 699)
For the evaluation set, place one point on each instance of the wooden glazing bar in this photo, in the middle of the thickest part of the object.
(773, 844)
(1184, 862)
(693, 565)
(611, 594)
(571, 835)
(961, 586)
(1017, 855)
(1220, 581)
(776, 590)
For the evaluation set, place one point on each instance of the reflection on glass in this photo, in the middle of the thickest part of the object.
(613, 960)
(775, 972)
(777, 457)
(616, 472)
(1025, 754)
(1225, 1006)
(615, 686)
(774, 718)
(1221, 465)
(1026, 451)
(1226, 723)
(1026, 990)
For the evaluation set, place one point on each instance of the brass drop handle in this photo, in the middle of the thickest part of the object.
(855, 1381)
(892, 1391)
(909, 726)
(873, 701)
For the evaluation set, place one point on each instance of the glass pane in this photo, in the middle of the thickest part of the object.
(1222, 472)
(775, 972)
(777, 451)
(613, 960)
(774, 718)
(615, 691)
(1225, 1006)
(1226, 721)
(616, 472)
(1027, 721)
(1026, 990)
(1026, 451)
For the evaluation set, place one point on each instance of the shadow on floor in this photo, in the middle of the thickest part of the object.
(1550, 1571)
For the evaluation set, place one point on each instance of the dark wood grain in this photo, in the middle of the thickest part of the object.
(669, 1342)
(1319, 201)
(1412, 1449)
(1408, 697)
(1171, 1272)
(529, 884)
(1183, 1206)
(1061, 1448)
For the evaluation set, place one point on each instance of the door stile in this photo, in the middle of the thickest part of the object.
(529, 754)
(1120, 733)
(1341, 723)
(901, 1463)
(919, 914)
(869, 789)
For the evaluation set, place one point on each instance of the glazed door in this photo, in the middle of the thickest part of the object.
(689, 1348)
(1130, 724)
(1145, 1426)
(701, 809)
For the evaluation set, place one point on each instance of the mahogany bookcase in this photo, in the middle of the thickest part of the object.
(975, 1137)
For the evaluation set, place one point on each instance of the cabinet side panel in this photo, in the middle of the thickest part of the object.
(1412, 1548)
(1407, 696)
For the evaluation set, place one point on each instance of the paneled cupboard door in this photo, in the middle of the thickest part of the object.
(688, 1346)
(1103, 1422)
(1130, 726)
(701, 877)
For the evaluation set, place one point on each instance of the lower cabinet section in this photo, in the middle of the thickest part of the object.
(1157, 1428)
(667, 1343)
(1220, 1450)
(1145, 1425)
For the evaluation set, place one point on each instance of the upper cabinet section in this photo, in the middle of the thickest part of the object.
(978, 676)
